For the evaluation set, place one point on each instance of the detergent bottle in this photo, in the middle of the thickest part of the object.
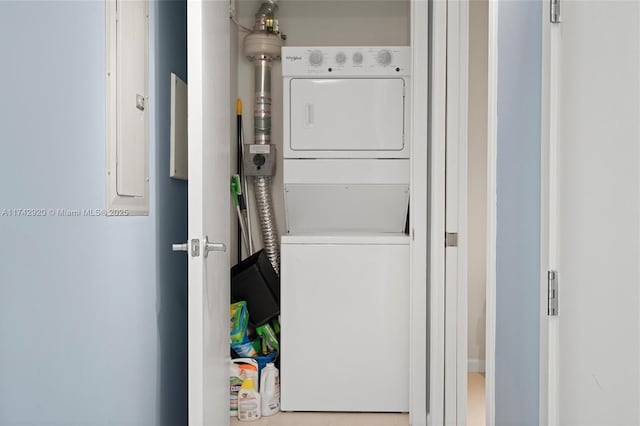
(270, 390)
(248, 401)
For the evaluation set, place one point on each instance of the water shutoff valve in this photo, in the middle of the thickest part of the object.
(259, 160)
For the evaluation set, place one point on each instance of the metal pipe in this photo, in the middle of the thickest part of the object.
(262, 184)
(263, 46)
(264, 16)
(262, 111)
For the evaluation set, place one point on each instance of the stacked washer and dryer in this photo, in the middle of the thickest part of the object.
(345, 255)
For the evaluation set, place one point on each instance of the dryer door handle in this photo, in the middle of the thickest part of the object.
(309, 116)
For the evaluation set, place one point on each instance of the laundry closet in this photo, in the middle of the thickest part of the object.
(334, 128)
(339, 125)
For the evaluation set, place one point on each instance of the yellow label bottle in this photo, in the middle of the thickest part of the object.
(248, 401)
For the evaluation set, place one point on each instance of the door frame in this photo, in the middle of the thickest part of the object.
(195, 285)
(428, 200)
(456, 117)
(433, 118)
(424, 358)
(492, 208)
(456, 257)
(548, 214)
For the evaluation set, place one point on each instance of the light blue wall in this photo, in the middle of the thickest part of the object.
(518, 213)
(83, 319)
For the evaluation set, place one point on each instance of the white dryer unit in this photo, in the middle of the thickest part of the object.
(346, 146)
(346, 102)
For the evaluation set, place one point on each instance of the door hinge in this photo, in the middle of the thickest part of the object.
(451, 239)
(552, 293)
(555, 11)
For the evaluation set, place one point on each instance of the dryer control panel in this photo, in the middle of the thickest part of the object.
(346, 61)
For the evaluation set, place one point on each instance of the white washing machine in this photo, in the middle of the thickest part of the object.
(345, 257)
(345, 323)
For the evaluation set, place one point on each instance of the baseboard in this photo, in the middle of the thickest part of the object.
(475, 366)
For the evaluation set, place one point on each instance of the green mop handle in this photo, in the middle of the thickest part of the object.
(236, 190)
(238, 201)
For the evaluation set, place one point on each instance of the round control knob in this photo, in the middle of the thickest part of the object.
(341, 58)
(384, 57)
(357, 58)
(315, 58)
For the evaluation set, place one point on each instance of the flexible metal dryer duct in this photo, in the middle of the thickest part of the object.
(263, 46)
(262, 184)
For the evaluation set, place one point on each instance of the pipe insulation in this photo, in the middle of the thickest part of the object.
(263, 46)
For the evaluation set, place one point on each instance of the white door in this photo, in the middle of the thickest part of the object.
(455, 345)
(209, 214)
(597, 241)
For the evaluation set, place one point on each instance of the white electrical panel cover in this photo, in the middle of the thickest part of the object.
(127, 109)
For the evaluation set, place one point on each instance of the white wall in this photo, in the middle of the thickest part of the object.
(477, 182)
(316, 23)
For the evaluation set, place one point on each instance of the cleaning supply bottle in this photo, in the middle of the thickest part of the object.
(241, 368)
(248, 401)
(270, 390)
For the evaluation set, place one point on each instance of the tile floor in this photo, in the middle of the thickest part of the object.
(475, 413)
(475, 399)
(330, 419)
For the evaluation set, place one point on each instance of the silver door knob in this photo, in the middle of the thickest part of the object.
(180, 247)
(192, 246)
(213, 246)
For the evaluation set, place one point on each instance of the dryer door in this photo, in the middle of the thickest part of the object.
(361, 115)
